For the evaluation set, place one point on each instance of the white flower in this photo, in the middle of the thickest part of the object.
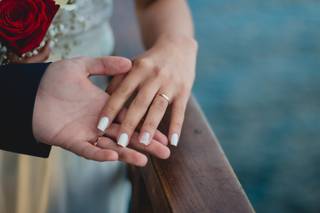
(66, 4)
(61, 2)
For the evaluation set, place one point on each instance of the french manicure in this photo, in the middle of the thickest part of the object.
(123, 140)
(145, 139)
(174, 139)
(103, 124)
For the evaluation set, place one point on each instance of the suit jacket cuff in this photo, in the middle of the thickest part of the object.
(18, 88)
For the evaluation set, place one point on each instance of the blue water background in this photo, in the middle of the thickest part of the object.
(258, 82)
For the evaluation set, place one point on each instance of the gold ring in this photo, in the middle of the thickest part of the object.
(165, 96)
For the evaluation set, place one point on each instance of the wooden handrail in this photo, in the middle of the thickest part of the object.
(197, 177)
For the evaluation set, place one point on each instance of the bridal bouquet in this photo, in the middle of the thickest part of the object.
(23, 26)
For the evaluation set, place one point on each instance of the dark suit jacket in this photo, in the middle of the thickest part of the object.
(18, 88)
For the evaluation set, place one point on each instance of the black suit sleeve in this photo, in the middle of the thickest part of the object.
(18, 89)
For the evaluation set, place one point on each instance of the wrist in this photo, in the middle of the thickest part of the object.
(38, 111)
(179, 40)
(36, 118)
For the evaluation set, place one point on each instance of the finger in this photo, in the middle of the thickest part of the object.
(110, 65)
(158, 136)
(121, 115)
(177, 118)
(91, 152)
(154, 117)
(162, 138)
(126, 155)
(137, 110)
(117, 100)
(115, 82)
(155, 148)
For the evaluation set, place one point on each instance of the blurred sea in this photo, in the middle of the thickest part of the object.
(258, 82)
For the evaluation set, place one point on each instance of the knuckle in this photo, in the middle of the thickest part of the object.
(111, 109)
(152, 68)
(140, 102)
(143, 63)
(128, 126)
(160, 72)
(185, 89)
(177, 125)
(124, 89)
(150, 125)
(160, 104)
(157, 70)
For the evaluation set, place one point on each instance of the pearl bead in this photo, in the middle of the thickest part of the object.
(29, 54)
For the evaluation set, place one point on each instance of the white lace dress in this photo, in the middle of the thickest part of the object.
(66, 183)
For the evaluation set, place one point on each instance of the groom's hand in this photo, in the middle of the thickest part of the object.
(67, 107)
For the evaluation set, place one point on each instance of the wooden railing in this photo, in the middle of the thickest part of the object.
(197, 177)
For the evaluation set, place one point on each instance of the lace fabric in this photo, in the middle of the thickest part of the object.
(86, 23)
(85, 15)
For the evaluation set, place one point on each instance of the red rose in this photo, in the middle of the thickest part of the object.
(24, 23)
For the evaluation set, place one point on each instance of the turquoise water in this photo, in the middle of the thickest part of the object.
(258, 82)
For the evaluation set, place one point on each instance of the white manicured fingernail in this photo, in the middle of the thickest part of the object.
(174, 139)
(145, 139)
(103, 124)
(123, 140)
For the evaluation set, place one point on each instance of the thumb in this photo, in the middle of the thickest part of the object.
(109, 65)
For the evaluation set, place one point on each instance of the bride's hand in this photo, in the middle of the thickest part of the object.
(161, 76)
(67, 107)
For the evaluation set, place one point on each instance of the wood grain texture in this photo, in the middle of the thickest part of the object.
(198, 176)
(141, 202)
